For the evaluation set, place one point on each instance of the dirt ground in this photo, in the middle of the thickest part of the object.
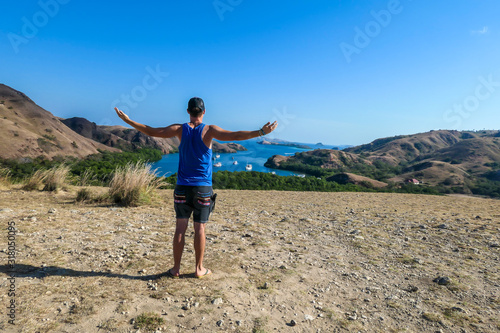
(281, 261)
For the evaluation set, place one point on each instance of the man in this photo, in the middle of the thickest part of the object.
(193, 192)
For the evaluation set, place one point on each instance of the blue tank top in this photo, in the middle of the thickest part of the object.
(195, 158)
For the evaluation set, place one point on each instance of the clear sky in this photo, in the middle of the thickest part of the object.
(337, 72)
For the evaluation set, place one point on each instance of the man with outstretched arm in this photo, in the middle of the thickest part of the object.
(193, 191)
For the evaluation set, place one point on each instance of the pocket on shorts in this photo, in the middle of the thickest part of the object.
(203, 199)
(179, 197)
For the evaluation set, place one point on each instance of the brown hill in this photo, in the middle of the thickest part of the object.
(350, 178)
(119, 136)
(27, 130)
(434, 173)
(228, 147)
(406, 148)
(323, 158)
(450, 158)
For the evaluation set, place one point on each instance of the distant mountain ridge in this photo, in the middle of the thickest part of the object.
(119, 136)
(29, 131)
(444, 157)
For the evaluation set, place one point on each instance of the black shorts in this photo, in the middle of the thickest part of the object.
(193, 199)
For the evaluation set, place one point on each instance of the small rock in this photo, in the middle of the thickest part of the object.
(308, 317)
(293, 323)
(443, 226)
(217, 301)
(412, 289)
(457, 309)
(52, 211)
(442, 281)
(6, 210)
(220, 323)
(352, 317)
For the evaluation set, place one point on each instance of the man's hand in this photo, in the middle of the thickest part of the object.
(122, 115)
(268, 128)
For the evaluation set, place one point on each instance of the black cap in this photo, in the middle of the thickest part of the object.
(196, 103)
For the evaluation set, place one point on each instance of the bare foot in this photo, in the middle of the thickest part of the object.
(205, 274)
(172, 273)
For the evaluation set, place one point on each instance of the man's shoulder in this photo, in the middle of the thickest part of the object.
(213, 127)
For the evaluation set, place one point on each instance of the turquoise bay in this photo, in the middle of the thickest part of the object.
(256, 155)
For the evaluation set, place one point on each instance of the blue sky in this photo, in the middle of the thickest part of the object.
(337, 72)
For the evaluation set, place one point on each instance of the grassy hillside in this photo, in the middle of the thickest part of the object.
(451, 161)
(29, 131)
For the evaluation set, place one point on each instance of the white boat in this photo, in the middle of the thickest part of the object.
(248, 167)
(235, 163)
(217, 156)
(218, 164)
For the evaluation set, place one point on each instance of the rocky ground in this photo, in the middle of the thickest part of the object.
(282, 262)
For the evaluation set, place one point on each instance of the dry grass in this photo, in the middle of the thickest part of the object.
(35, 182)
(52, 180)
(5, 177)
(87, 178)
(55, 178)
(83, 195)
(133, 184)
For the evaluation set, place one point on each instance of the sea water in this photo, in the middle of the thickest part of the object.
(256, 155)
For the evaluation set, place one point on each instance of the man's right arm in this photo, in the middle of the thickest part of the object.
(161, 132)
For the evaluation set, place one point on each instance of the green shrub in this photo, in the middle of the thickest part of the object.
(83, 195)
(148, 321)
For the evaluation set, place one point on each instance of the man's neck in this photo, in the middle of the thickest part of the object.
(196, 120)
